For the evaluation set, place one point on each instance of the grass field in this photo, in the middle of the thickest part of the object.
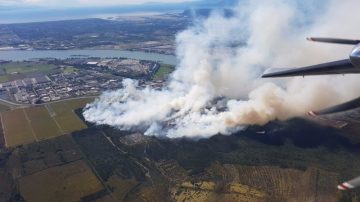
(2, 137)
(69, 182)
(164, 71)
(42, 123)
(4, 106)
(4, 78)
(19, 70)
(120, 186)
(17, 129)
(79, 103)
(26, 67)
(66, 117)
(26, 125)
(70, 69)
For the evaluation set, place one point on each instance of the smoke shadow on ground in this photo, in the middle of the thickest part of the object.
(302, 133)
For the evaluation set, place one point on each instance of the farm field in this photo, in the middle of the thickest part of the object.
(166, 170)
(26, 125)
(260, 183)
(69, 69)
(78, 103)
(65, 115)
(25, 67)
(164, 71)
(2, 136)
(4, 106)
(42, 123)
(4, 78)
(69, 182)
(17, 129)
(121, 187)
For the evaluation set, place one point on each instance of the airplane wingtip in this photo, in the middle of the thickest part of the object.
(345, 186)
(312, 113)
(341, 188)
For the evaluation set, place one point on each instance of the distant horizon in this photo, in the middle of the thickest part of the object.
(32, 13)
(84, 3)
(40, 14)
(57, 15)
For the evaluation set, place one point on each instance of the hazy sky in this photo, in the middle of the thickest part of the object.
(77, 3)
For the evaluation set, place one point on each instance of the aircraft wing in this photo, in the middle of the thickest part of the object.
(345, 116)
(350, 184)
(336, 67)
(347, 106)
(334, 40)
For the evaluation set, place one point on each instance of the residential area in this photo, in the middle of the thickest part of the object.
(73, 77)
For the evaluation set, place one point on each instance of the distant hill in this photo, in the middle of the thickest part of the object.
(223, 3)
(205, 12)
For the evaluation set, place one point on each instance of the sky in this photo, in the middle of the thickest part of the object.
(81, 3)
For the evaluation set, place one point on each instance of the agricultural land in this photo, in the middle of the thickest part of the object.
(26, 125)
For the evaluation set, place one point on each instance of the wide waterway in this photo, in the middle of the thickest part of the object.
(19, 55)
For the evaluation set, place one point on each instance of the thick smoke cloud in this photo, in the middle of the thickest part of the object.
(216, 86)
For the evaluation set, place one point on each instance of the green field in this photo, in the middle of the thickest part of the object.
(17, 129)
(4, 106)
(42, 123)
(26, 67)
(4, 78)
(26, 125)
(19, 70)
(78, 103)
(66, 117)
(69, 182)
(164, 71)
(70, 69)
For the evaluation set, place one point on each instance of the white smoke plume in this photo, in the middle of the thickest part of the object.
(223, 57)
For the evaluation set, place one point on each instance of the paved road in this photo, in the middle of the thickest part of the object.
(28, 105)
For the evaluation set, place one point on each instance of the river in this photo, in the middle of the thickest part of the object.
(19, 55)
